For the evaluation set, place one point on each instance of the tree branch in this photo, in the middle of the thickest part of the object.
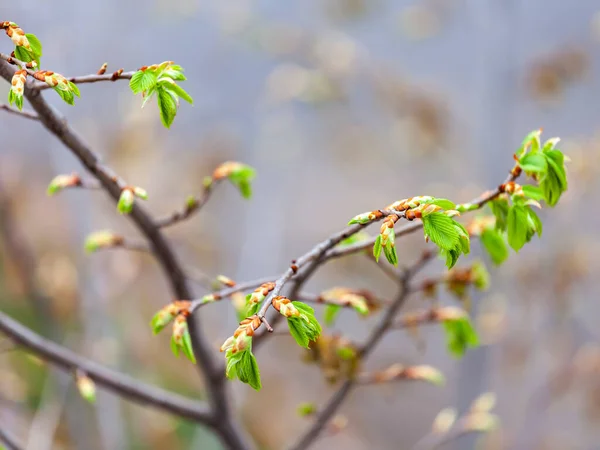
(211, 368)
(26, 114)
(114, 381)
(191, 207)
(374, 337)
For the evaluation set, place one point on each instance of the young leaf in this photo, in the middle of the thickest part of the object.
(517, 227)
(377, 248)
(167, 105)
(142, 80)
(330, 314)
(441, 230)
(533, 192)
(534, 162)
(493, 241)
(442, 203)
(36, 46)
(460, 335)
(247, 370)
(500, 208)
(177, 90)
(531, 141)
(297, 332)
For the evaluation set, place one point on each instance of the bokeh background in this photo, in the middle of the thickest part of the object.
(342, 106)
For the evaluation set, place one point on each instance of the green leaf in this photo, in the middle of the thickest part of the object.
(442, 203)
(36, 46)
(390, 254)
(533, 162)
(517, 227)
(500, 208)
(167, 105)
(493, 241)
(533, 192)
(297, 331)
(187, 347)
(330, 314)
(177, 90)
(534, 221)
(247, 370)
(174, 346)
(25, 55)
(148, 95)
(142, 80)
(555, 181)
(460, 335)
(441, 230)
(305, 328)
(242, 178)
(66, 95)
(377, 248)
(531, 142)
(73, 87)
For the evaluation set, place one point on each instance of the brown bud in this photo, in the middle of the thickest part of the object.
(102, 69)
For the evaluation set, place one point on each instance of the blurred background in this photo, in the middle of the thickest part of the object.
(342, 106)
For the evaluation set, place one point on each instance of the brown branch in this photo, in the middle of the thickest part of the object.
(119, 383)
(9, 441)
(370, 344)
(90, 79)
(26, 114)
(190, 208)
(228, 292)
(211, 368)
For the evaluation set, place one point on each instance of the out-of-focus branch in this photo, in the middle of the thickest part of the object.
(210, 367)
(114, 381)
(370, 344)
(192, 206)
(8, 440)
(26, 114)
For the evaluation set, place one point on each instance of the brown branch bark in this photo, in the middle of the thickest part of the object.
(211, 368)
(122, 384)
(26, 114)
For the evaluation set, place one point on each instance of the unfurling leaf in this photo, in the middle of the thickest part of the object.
(330, 314)
(450, 236)
(240, 175)
(85, 386)
(241, 363)
(160, 79)
(306, 409)
(495, 245)
(460, 335)
(181, 339)
(304, 328)
(102, 239)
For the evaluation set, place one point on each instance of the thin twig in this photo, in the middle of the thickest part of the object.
(90, 79)
(189, 209)
(26, 114)
(112, 380)
(94, 78)
(228, 292)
